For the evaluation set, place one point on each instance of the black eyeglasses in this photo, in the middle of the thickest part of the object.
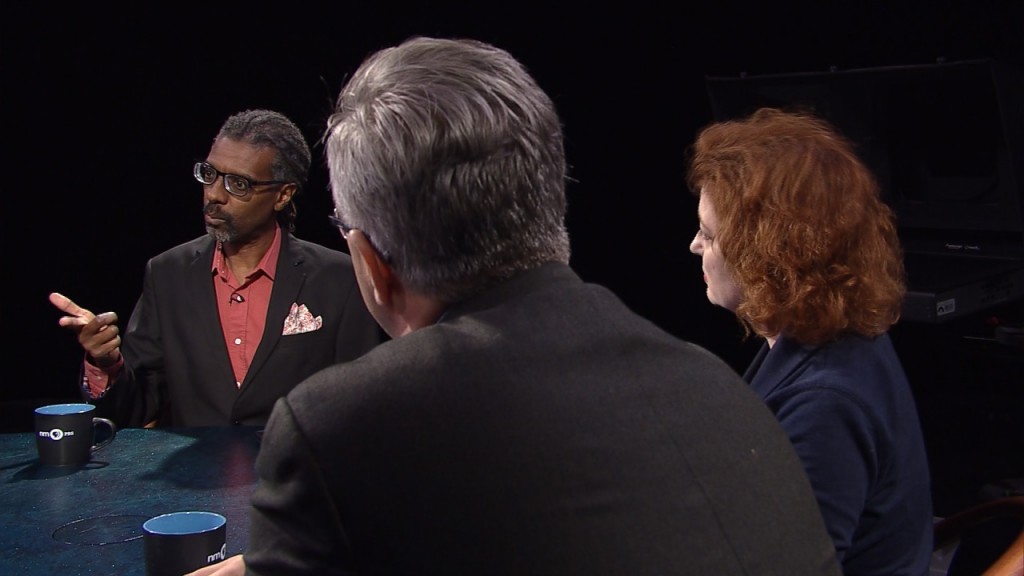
(345, 228)
(238, 186)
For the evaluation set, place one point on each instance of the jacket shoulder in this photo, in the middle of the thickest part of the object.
(185, 251)
(310, 252)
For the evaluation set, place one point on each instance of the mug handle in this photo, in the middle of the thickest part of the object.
(113, 432)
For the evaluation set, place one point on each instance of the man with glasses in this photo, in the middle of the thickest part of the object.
(232, 320)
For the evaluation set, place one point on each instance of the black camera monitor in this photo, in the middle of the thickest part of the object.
(945, 140)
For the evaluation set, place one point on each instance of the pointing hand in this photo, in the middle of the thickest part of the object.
(97, 333)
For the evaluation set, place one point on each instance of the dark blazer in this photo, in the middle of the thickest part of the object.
(850, 413)
(176, 364)
(539, 428)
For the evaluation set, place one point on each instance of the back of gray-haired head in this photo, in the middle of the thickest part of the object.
(449, 157)
(270, 129)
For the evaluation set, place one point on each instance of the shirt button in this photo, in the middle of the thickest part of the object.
(238, 340)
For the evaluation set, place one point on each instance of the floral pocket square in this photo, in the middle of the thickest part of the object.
(300, 320)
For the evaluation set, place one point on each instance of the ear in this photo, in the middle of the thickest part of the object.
(397, 309)
(284, 196)
(383, 283)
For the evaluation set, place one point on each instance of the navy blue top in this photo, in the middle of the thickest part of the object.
(850, 413)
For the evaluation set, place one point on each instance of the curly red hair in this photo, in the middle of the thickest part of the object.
(801, 225)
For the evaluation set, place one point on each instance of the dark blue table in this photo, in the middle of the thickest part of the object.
(88, 520)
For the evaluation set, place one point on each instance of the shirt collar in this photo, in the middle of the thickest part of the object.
(267, 265)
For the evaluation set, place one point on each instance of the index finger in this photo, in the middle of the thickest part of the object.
(68, 306)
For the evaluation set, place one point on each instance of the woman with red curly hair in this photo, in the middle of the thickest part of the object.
(795, 240)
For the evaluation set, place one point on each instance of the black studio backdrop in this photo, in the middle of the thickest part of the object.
(104, 110)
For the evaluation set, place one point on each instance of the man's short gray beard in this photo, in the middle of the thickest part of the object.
(223, 236)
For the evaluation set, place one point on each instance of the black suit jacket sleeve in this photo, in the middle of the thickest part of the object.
(134, 396)
(291, 479)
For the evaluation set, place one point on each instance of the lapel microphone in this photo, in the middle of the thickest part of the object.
(236, 297)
